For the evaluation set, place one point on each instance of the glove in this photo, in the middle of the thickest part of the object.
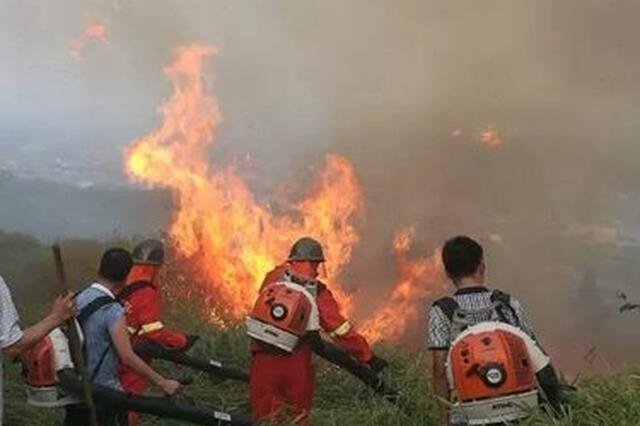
(191, 340)
(377, 364)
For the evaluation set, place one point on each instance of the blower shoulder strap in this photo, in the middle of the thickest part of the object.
(92, 307)
(500, 296)
(502, 301)
(132, 288)
(84, 314)
(448, 306)
(313, 286)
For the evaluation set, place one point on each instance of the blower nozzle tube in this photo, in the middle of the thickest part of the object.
(157, 406)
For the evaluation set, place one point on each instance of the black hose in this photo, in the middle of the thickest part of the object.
(157, 406)
(361, 371)
(554, 391)
(157, 351)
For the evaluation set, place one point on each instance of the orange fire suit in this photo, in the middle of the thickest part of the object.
(281, 381)
(142, 310)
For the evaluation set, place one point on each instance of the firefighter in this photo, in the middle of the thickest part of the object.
(281, 380)
(141, 302)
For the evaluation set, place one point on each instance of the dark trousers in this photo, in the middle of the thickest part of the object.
(77, 415)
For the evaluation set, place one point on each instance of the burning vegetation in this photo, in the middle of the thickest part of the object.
(418, 278)
(230, 238)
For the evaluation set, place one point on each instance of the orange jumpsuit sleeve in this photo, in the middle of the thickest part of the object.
(145, 309)
(339, 328)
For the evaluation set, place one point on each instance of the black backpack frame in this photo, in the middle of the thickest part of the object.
(500, 299)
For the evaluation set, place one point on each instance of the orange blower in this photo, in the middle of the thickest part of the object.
(279, 316)
(491, 376)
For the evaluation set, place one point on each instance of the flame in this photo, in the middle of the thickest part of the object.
(418, 278)
(94, 31)
(218, 320)
(97, 29)
(232, 239)
(489, 136)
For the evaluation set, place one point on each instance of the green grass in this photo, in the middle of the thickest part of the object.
(339, 399)
(342, 400)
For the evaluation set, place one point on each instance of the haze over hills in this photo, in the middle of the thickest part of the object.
(49, 210)
(567, 271)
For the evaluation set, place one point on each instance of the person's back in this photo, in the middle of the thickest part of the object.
(101, 357)
(141, 299)
(472, 304)
(99, 316)
(107, 342)
(478, 303)
(279, 378)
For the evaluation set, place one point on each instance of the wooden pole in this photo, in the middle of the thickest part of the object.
(74, 343)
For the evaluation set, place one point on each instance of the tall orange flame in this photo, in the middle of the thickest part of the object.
(418, 278)
(231, 238)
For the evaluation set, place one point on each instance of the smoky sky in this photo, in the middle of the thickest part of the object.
(401, 88)
(376, 80)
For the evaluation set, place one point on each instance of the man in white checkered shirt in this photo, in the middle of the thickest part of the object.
(475, 298)
(14, 340)
(463, 260)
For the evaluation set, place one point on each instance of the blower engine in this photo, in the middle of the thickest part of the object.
(40, 366)
(491, 376)
(280, 315)
(51, 382)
